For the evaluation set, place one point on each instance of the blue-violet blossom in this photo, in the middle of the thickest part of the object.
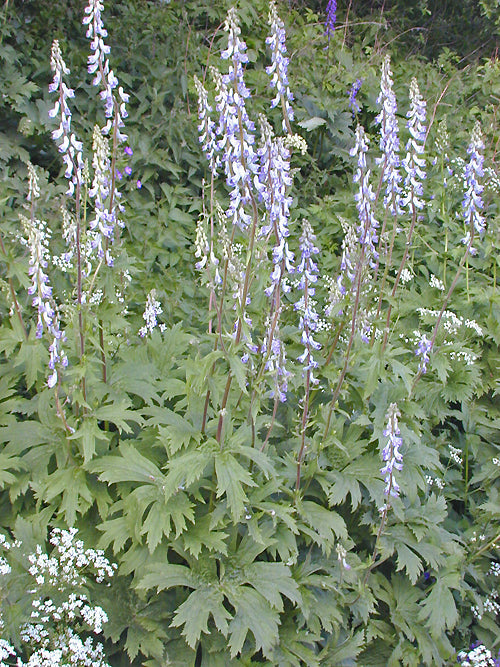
(235, 128)
(278, 70)
(68, 145)
(309, 320)
(206, 127)
(472, 203)
(353, 104)
(389, 140)
(98, 64)
(331, 18)
(391, 453)
(414, 163)
(367, 229)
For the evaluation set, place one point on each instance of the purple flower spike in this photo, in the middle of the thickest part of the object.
(367, 229)
(309, 319)
(414, 162)
(68, 145)
(353, 104)
(235, 129)
(206, 127)
(423, 351)
(98, 64)
(389, 140)
(331, 18)
(472, 203)
(391, 453)
(278, 70)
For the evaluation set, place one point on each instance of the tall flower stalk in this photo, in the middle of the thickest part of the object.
(71, 149)
(390, 164)
(308, 272)
(472, 205)
(108, 211)
(414, 165)
(366, 253)
(278, 70)
(236, 143)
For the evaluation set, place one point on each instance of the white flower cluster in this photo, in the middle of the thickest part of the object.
(455, 454)
(51, 637)
(451, 322)
(494, 569)
(437, 283)
(478, 656)
(406, 276)
(467, 357)
(490, 605)
(435, 481)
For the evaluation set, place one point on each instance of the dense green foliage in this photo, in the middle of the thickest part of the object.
(246, 530)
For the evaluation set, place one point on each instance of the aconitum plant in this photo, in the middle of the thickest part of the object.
(276, 456)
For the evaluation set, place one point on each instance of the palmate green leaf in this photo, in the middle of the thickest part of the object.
(136, 377)
(345, 652)
(326, 525)
(439, 610)
(231, 477)
(175, 431)
(163, 576)
(194, 613)
(261, 459)
(116, 532)
(184, 470)
(255, 615)
(9, 463)
(162, 514)
(273, 580)
(130, 466)
(238, 371)
(409, 560)
(201, 535)
(89, 434)
(118, 413)
(146, 642)
(293, 649)
(71, 484)
(365, 470)
(32, 358)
